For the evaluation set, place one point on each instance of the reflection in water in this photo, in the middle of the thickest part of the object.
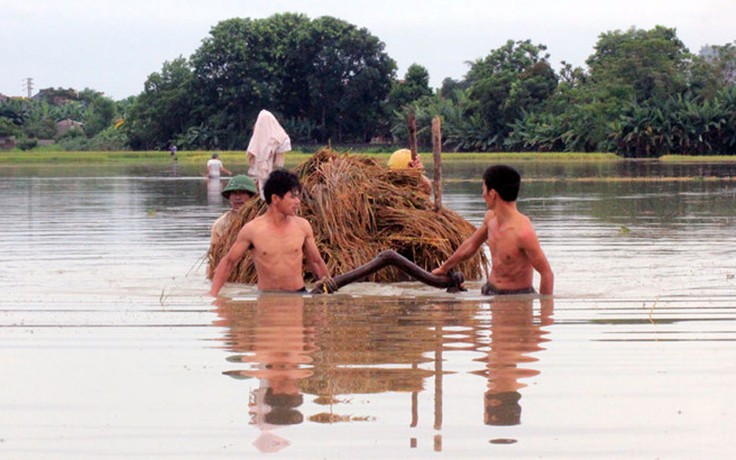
(295, 347)
(214, 187)
(272, 337)
(650, 312)
(514, 334)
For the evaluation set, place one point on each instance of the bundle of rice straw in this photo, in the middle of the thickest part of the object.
(358, 208)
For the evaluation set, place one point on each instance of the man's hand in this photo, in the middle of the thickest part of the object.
(326, 285)
(438, 271)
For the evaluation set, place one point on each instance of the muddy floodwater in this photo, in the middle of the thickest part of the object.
(110, 348)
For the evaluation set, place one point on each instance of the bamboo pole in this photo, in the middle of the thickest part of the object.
(437, 153)
(413, 135)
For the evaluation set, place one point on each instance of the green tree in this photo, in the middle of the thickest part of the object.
(513, 79)
(630, 76)
(325, 71)
(639, 64)
(413, 87)
(713, 70)
(350, 80)
(163, 110)
(99, 111)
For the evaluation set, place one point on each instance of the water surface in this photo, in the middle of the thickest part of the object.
(110, 347)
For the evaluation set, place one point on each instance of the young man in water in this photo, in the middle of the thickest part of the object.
(278, 240)
(515, 249)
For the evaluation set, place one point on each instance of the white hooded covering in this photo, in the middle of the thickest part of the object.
(267, 147)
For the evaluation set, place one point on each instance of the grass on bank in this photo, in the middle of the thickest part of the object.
(18, 157)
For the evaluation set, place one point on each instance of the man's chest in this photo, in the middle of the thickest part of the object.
(275, 242)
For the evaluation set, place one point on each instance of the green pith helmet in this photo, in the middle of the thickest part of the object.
(240, 182)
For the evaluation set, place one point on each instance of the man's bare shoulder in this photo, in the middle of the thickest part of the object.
(254, 225)
(525, 229)
(302, 223)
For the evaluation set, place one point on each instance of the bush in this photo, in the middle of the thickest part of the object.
(27, 144)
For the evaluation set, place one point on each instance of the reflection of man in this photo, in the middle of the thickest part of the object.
(272, 338)
(515, 334)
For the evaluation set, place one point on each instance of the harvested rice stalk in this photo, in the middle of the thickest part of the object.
(358, 208)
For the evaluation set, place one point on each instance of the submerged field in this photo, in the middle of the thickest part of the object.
(237, 158)
(292, 158)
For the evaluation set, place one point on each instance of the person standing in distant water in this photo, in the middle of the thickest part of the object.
(214, 166)
(515, 249)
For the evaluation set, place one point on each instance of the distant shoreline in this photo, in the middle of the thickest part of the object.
(16, 157)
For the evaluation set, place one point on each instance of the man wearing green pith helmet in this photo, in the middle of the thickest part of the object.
(238, 190)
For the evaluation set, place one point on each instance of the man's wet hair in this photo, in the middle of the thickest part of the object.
(505, 180)
(280, 182)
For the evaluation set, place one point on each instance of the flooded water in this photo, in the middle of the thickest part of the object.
(109, 346)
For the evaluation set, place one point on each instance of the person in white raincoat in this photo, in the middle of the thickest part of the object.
(267, 147)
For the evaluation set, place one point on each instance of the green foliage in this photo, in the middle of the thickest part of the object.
(27, 143)
(163, 110)
(642, 64)
(7, 127)
(510, 81)
(450, 111)
(36, 118)
(713, 70)
(109, 139)
(678, 125)
(43, 128)
(413, 87)
(300, 129)
(643, 95)
(325, 70)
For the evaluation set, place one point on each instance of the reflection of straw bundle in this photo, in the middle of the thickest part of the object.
(359, 208)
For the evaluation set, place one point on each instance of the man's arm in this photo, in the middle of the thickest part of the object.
(231, 259)
(465, 250)
(225, 170)
(532, 249)
(311, 253)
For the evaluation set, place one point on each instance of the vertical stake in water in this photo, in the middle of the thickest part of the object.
(437, 153)
(412, 135)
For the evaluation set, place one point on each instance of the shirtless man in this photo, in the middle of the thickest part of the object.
(279, 240)
(515, 249)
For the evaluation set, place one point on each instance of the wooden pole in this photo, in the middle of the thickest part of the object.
(437, 153)
(413, 135)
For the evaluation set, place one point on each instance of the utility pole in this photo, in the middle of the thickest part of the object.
(29, 86)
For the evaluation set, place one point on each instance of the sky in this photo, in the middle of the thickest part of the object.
(113, 46)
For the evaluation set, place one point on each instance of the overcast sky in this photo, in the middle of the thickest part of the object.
(112, 46)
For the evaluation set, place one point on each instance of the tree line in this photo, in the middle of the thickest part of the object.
(642, 94)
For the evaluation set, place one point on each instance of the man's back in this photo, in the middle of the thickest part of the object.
(507, 239)
(213, 167)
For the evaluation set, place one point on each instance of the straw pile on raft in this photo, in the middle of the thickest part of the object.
(358, 208)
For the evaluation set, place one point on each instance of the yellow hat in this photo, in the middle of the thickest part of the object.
(400, 159)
